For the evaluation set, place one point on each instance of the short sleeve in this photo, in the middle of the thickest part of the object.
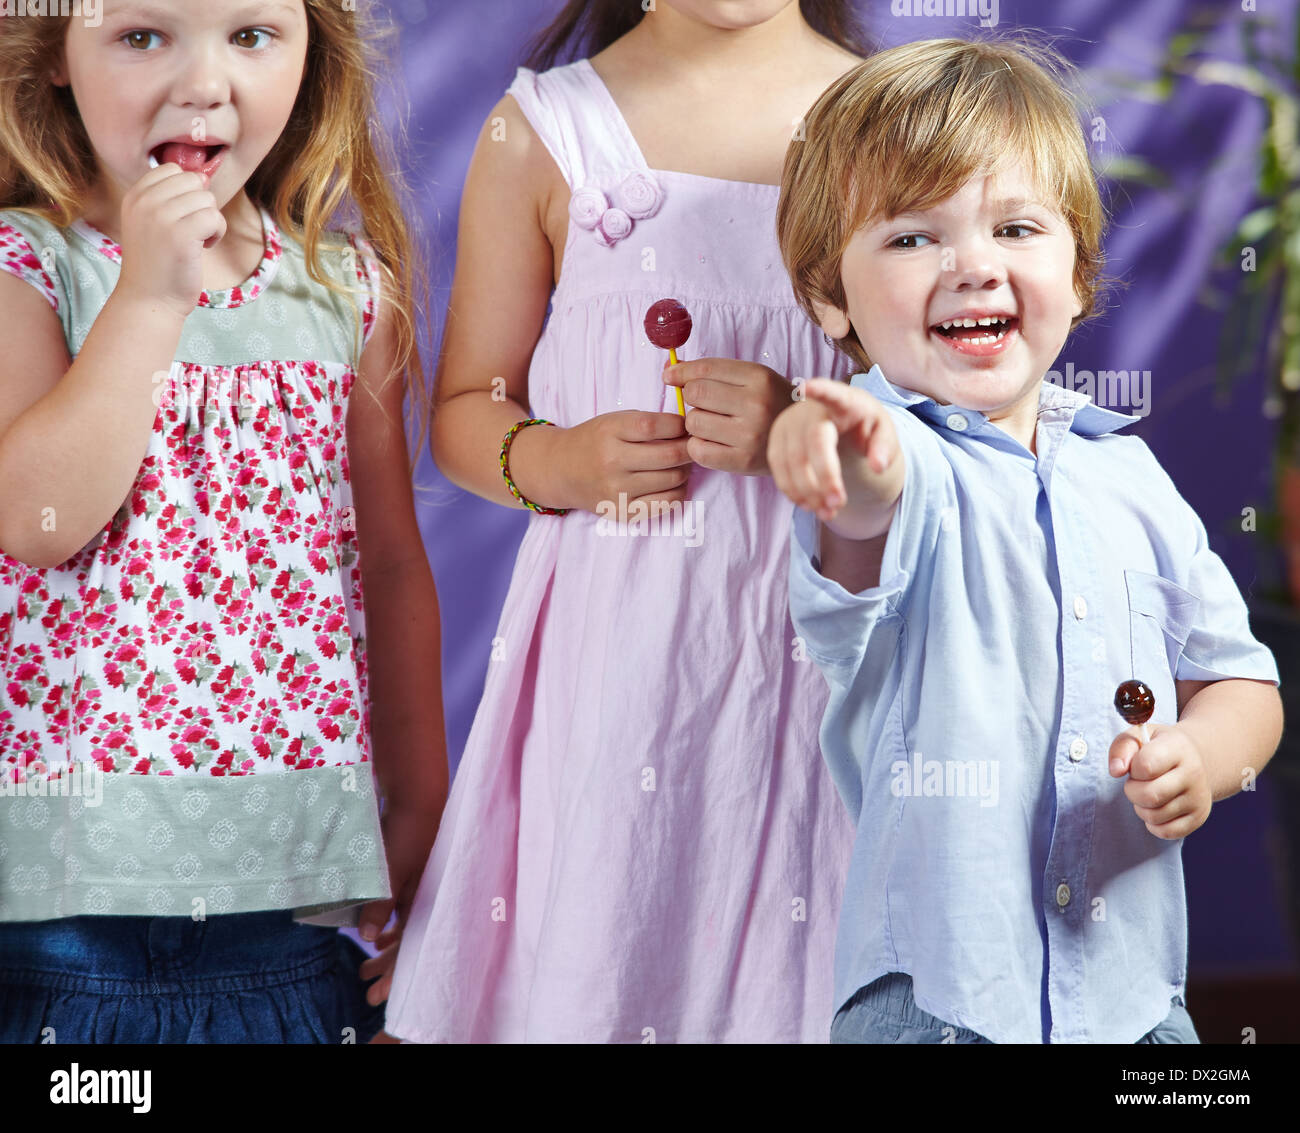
(1218, 644)
(17, 257)
(368, 274)
(835, 625)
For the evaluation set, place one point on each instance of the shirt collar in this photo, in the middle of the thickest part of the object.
(1085, 416)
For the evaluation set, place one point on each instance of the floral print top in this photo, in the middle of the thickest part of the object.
(183, 712)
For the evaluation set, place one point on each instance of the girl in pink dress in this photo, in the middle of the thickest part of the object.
(642, 842)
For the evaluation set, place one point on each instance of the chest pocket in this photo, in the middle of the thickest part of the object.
(1161, 615)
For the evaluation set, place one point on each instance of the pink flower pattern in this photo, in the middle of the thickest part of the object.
(219, 609)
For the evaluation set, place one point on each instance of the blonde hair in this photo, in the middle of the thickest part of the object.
(332, 165)
(907, 129)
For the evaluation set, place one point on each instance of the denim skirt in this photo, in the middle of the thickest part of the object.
(237, 978)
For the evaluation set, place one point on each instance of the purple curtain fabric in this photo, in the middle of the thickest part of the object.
(457, 58)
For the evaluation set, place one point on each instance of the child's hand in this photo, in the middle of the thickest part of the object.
(408, 838)
(732, 408)
(803, 450)
(1168, 785)
(633, 451)
(168, 218)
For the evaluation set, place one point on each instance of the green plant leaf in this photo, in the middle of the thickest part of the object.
(1133, 170)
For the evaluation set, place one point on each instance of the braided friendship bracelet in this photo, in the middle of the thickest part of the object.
(505, 469)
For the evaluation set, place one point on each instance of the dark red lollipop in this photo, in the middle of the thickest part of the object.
(1134, 702)
(667, 324)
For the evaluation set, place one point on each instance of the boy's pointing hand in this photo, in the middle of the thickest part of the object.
(1168, 783)
(805, 445)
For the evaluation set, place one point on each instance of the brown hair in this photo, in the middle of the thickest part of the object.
(585, 27)
(907, 129)
(332, 164)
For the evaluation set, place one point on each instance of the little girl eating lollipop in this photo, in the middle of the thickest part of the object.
(994, 557)
(214, 597)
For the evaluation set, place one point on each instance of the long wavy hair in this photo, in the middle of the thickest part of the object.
(333, 164)
(584, 27)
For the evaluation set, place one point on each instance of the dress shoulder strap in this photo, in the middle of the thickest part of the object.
(572, 112)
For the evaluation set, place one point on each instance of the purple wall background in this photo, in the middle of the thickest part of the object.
(457, 59)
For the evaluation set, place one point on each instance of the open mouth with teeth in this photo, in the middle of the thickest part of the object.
(977, 332)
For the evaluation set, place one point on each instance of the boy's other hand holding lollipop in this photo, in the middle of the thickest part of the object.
(1169, 783)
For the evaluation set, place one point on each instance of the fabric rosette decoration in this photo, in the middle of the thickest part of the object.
(586, 206)
(614, 225)
(637, 197)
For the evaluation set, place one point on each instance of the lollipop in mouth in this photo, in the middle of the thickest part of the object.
(190, 156)
(668, 326)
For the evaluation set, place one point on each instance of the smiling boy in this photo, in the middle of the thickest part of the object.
(994, 557)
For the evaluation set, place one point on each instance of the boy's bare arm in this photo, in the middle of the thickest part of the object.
(1237, 725)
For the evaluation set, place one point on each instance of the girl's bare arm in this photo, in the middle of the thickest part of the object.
(403, 627)
(504, 270)
(73, 433)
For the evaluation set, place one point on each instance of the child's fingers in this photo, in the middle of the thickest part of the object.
(373, 918)
(654, 456)
(882, 447)
(379, 991)
(858, 416)
(1155, 757)
(390, 935)
(380, 966)
(823, 464)
(846, 406)
(1122, 750)
(805, 465)
(372, 966)
(639, 484)
(1179, 828)
(642, 425)
(1176, 807)
(799, 457)
(778, 452)
(1156, 793)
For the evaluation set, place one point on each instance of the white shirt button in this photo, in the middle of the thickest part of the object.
(1080, 606)
(1062, 895)
(957, 422)
(1078, 749)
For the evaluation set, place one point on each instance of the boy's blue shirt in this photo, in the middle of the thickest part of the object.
(997, 862)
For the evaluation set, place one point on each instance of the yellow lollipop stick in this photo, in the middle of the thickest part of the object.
(667, 326)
